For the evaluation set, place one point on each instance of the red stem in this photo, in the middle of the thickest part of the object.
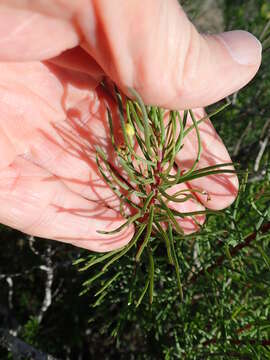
(233, 251)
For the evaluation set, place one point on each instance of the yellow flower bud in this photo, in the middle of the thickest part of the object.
(129, 130)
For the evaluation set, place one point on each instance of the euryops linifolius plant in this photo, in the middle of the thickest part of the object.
(152, 138)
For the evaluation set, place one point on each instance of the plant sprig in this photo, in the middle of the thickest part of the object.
(152, 138)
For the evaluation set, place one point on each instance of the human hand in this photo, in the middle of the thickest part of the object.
(53, 55)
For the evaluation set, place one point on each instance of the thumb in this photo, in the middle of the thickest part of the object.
(152, 46)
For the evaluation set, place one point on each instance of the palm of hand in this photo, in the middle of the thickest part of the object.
(52, 188)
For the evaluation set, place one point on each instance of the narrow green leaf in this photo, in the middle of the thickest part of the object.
(99, 259)
(176, 264)
(214, 167)
(195, 123)
(223, 107)
(176, 177)
(198, 175)
(145, 121)
(151, 274)
(97, 303)
(134, 116)
(108, 283)
(127, 248)
(113, 173)
(170, 215)
(111, 128)
(148, 233)
(93, 278)
(147, 201)
(180, 138)
(167, 242)
(199, 212)
(185, 119)
(174, 197)
(126, 136)
(79, 261)
(121, 227)
(264, 256)
(143, 293)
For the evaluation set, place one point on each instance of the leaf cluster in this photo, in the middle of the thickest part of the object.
(152, 138)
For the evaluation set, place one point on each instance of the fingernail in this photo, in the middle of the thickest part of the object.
(243, 47)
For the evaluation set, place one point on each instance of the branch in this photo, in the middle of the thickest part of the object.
(10, 292)
(263, 145)
(48, 268)
(21, 350)
(233, 251)
(239, 342)
(258, 177)
(239, 142)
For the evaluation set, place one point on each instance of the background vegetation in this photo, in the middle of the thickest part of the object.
(224, 269)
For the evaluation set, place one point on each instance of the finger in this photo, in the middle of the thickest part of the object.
(37, 203)
(221, 189)
(153, 47)
(30, 32)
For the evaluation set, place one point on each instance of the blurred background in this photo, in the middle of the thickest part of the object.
(225, 313)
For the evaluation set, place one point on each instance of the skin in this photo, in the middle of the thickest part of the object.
(53, 55)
